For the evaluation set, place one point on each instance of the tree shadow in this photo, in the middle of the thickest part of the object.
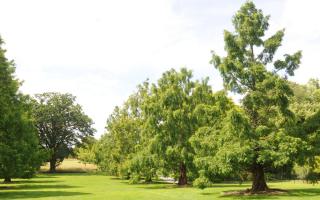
(38, 194)
(34, 181)
(304, 193)
(231, 185)
(66, 173)
(157, 187)
(33, 187)
(115, 178)
(166, 185)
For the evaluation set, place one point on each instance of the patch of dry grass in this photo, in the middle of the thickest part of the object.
(71, 166)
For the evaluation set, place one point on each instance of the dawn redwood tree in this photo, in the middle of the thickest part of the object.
(171, 120)
(248, 69)
(20, 154)
(61, 124)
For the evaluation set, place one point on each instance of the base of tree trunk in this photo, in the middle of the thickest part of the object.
(7, 180)
(259, 183)
(148, 180)
(52, 166)
(52, 171)
(183, 180)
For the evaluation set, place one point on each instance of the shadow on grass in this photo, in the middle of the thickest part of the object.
(157, 187)
(34, 181)
(115, 178)
(38, 194)
(148, 185)
(65, 173)
(231, 185)
(304, 193)
(33, 187)
(166, 185)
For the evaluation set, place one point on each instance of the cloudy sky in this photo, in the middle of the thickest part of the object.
(100, 50)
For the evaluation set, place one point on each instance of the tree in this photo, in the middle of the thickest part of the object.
(20, 155)
(123, 137)
(217, 121)
(61, 124)
(306, 105)
(86, 150)
(171, 120)
(264, 123)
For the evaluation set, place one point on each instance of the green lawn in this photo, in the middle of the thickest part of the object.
(86, 186)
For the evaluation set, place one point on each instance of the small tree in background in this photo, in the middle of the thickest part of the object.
(61, 124)
(20, 155)
(306, 105)
(86, 151)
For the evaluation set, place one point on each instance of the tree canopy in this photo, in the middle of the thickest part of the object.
(20, 155)
(61, 124)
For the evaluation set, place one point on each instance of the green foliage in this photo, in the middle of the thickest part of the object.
(145, 165)
(171, 119)
(150, 133)
(124, 138)
(135, 178)
(178, 127)
(20, 155)
(61, 124)
(87, 151)
(202, 181)
(306, 105)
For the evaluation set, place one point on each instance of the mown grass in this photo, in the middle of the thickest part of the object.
(91, 186)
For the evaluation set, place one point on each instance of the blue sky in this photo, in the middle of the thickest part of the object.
(100, 50)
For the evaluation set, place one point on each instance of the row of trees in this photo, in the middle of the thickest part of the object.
(35, 130)
(180, 128)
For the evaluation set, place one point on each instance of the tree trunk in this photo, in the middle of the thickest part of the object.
(7, 180)
(259, 183)
(53, 163)
(183, 174)
(148, 179)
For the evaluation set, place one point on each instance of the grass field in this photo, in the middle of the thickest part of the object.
(87, 186)
(91, 186)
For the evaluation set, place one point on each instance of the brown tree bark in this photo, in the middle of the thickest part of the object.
(53, 164)
(7, 180)
(183, 175)
(258, 183)
(148, 179)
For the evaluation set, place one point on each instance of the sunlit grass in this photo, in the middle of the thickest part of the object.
(71, 165)
(92, 186)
